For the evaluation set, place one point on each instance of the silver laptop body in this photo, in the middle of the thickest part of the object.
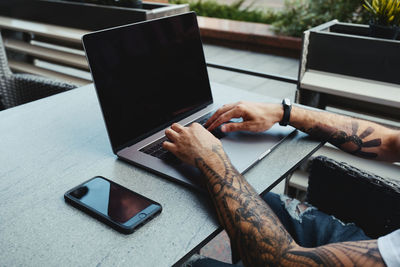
(150, 74)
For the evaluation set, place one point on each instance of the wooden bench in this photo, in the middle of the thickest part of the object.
(46, 45)
(50, 45)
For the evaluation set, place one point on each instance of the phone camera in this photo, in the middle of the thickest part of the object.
(80, 192)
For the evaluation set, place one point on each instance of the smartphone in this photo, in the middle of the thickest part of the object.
(112, 204)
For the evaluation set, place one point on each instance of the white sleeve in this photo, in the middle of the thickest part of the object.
(389, 247)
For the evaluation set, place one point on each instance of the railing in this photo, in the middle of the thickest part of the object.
(254, 73)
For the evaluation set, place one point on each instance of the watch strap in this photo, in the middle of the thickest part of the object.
(287, 108)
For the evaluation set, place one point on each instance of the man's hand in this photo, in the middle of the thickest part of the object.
(191, 143)
(257, 117)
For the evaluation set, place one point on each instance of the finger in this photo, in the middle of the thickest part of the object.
(171, 134)
(198, 128)
(218, 113)
(233, 113)
(236, 126)
(196, 125)
(244, 126)
(171, 147)
(177, 127)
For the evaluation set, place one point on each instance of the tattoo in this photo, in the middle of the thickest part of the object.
(352, 143)
(244, 215)
(256, 233)
(361, 253)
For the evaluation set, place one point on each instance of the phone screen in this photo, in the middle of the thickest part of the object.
(114, 202)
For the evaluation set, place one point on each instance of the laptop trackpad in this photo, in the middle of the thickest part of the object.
(245, 148)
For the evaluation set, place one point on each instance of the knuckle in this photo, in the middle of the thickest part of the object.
(219, 120)
(241, 107)
(195, 124)
(243, 103)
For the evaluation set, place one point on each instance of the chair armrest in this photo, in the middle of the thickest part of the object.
(52, 85)
(353, 195)
(23, 88)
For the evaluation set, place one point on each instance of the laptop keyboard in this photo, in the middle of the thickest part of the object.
(155, 149)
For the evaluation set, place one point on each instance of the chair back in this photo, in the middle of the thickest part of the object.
(4, 68)
(352, 195)
(20, 88)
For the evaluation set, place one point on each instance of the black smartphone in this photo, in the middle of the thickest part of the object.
(113, 204)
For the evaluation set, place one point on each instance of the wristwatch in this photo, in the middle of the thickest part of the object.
(287, 107)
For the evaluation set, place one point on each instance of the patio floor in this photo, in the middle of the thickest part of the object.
(259, 62)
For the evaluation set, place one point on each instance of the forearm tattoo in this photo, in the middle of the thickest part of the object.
(361, 253)
(351, 143)
(244, 215)
(256, 233)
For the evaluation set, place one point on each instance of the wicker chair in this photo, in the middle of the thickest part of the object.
(352, 195)
(17, 89)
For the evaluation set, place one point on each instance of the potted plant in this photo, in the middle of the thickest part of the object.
(385, 17)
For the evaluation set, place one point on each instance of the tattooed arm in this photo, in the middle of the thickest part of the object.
(359, 137)
(255, 232)
(362, 138)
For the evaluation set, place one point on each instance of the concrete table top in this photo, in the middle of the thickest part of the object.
(53, 144)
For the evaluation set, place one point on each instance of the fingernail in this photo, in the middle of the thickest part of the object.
(223, 128)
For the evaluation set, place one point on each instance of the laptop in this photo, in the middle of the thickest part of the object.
(150, 74)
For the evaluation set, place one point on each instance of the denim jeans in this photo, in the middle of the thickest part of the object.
(308, 226)
(311, 227)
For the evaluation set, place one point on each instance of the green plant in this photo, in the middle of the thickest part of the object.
(234, 11)
(296, 16)
(384, 12)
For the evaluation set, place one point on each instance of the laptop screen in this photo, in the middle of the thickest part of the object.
(148, 75)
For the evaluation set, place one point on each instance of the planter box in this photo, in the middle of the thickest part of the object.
(85, 16)
(347, 49)
(343, 67)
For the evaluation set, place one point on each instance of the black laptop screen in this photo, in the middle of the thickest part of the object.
(148, 75)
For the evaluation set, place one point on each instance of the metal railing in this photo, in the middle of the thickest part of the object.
(253, 73)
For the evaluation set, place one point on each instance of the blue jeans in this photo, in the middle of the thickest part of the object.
(311, 227)
(308, 226)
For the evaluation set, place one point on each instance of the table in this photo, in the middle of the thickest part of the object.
(51, 145)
